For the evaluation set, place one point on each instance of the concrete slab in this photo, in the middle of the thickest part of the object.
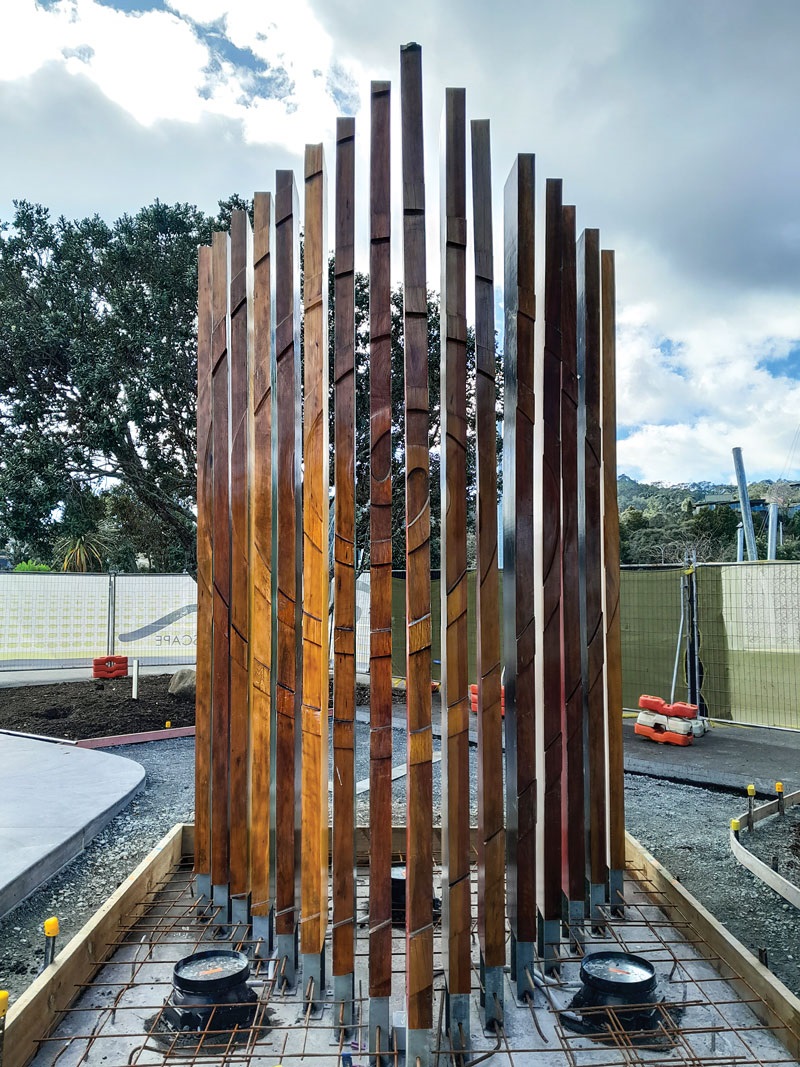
(55, 799)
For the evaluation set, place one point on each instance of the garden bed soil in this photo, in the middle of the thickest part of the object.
(78, 710)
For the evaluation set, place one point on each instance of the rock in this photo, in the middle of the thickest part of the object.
(183, 684)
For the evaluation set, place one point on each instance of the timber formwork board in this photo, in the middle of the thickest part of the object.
(102, 999)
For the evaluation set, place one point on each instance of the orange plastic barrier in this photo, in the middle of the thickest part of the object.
(110, 667)
(473, 699)
(656, 704)
(663, 736)
(678, 710)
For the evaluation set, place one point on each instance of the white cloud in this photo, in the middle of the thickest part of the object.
(670, 124)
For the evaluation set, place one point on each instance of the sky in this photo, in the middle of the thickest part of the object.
(673, 124)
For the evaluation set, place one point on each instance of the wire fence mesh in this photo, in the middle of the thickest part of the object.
(726, 636)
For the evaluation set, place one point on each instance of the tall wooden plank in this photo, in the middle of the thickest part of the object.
(455, 684)
(221, 570)
(572, 796)
(344, 578)
(491, 830)
(261, 547)
(241, 298)
(590, 544)
(288, 657)
(205, 501)
(616, 799)
(518, 583)
(380, 575)
(419, 866)
(550, 677)
(316, 580)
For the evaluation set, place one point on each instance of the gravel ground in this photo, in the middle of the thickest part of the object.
(685, 827)
(776, 841)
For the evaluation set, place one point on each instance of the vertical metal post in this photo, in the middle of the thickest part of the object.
(772, 534)
(744, 504)
(112, 612)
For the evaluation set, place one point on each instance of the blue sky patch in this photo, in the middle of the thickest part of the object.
(134, 7)
(787, 366)
(258, 78)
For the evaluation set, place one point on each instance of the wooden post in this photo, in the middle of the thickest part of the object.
(610, 518)
(288, 661)
(344, 577)
(205, 501)
(590, 541)
(380, 577)
(518, 583)
(316, 579)
(455, 682)
(241, 305)
(573, 834)
(491, 832)
(550, 677)
(262, 704)
(221, 568)
(419, 867)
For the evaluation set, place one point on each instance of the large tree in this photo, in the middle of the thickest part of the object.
(98, 367)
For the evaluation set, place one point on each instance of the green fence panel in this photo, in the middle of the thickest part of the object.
(749, 618)
(650, 613)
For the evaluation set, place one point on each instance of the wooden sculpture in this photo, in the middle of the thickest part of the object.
(316, 580)
(344, 581)
(518, 582)
(491, 828)
(419, 858)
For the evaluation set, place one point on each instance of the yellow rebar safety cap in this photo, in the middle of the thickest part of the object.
(51, 927)
(779, 787)
(735, 825)
(751, 790)
(3, 1003)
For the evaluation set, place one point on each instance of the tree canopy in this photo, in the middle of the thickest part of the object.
(98, 365)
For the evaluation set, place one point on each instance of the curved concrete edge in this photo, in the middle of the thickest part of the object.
(56, 798)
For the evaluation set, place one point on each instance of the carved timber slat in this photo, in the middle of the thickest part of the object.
(344, 573)
(419, 868)
(316, 581)
(241, 298)
(491, 830)
(221, 567)
(548, 524)
(380, 658)
(455, 683)
(289, 650)
(572, 791)
(261, 548)
(591, 537)
(205, 497)
(616, 800)
(518, 583)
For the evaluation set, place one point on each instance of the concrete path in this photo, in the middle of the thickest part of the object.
(54, 799)
(51, 675)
